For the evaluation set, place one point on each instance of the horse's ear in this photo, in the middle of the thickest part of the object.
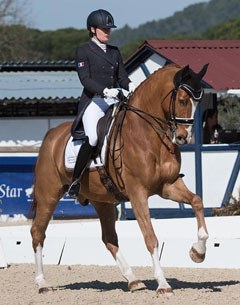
(180, 75)
(185, 71)
(203, 71)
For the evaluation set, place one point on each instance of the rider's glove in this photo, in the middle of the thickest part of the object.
(131, 87)
(113, 92)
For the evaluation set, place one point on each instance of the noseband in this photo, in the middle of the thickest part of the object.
(175, 121)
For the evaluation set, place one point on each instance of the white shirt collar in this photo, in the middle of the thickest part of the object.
(103, 46)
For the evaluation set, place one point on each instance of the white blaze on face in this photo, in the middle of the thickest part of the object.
(189, 128)
(194, 107)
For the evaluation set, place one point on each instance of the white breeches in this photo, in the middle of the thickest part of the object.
(93, 113)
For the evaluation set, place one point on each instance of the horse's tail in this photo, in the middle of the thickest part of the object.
(32, 210)
(33, 206)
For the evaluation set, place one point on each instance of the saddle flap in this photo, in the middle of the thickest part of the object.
(103, 127)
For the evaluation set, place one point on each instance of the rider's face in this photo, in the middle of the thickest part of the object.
(102, 35)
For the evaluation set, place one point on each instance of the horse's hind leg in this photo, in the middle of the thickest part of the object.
(180, 193)
(45, 202)
(107, 215)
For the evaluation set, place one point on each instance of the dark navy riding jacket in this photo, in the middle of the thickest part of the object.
(98, 70)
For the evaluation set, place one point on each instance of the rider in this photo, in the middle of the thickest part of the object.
(101, 71)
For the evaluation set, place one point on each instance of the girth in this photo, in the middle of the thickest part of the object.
(110, 185)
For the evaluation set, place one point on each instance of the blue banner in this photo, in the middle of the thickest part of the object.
(16, 187)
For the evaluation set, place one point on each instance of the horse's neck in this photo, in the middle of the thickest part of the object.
(150, 98)
(149, 102)
(154, 91)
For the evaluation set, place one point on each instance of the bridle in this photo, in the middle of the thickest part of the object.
(154, 121)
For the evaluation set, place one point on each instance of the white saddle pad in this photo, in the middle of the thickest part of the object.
(71, 153)
(72, 149)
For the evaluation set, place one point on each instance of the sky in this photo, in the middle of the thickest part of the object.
(59, 14)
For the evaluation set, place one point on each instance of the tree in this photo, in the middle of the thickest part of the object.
(225, 30)
(229, 112)
(13, 32)
(13, 12)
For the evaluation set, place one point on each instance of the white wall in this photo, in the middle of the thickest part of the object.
(23, 130)
(71, 243)
(155, 62)
(216, 170)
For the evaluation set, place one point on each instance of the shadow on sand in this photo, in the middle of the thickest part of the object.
(215, 286)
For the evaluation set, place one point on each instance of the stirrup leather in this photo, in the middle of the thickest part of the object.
(74, 189)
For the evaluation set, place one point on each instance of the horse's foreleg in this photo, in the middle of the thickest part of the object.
(141, 211)
(180, 193)
(107, 215)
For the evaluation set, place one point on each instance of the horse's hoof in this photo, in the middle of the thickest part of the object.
(164, 292)
(45, 289)
(195, 256)
(136, 285)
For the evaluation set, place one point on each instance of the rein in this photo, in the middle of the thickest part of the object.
(172, 122)
(123, 107)
(142, 114)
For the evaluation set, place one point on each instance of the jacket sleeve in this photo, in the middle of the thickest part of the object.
(83, 70)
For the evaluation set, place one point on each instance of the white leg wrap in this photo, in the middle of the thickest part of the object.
(125, 268)
(158, 273)
(200, 246)
(39, 279)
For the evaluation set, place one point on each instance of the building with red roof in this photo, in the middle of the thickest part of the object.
(223, 57)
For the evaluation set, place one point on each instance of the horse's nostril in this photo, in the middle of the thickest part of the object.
(180, 140)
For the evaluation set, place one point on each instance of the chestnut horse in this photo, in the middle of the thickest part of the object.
(143, 159)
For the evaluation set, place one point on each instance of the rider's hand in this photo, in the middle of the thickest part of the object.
(113, 92)
(131, 87)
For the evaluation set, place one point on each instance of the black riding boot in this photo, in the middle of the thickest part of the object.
(84, 155)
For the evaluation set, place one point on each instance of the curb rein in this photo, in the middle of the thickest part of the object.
(172, 122)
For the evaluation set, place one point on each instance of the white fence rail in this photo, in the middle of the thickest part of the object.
(72, 242)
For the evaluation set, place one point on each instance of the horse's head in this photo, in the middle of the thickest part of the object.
(186, 94)
(170, 109)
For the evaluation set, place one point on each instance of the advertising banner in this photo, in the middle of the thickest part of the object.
(16, 187)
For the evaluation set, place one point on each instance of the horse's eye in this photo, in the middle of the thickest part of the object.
(183, 102)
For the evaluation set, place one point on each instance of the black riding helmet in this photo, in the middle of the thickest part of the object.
(100, 18)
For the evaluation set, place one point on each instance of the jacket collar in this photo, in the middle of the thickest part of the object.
(96, 49)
